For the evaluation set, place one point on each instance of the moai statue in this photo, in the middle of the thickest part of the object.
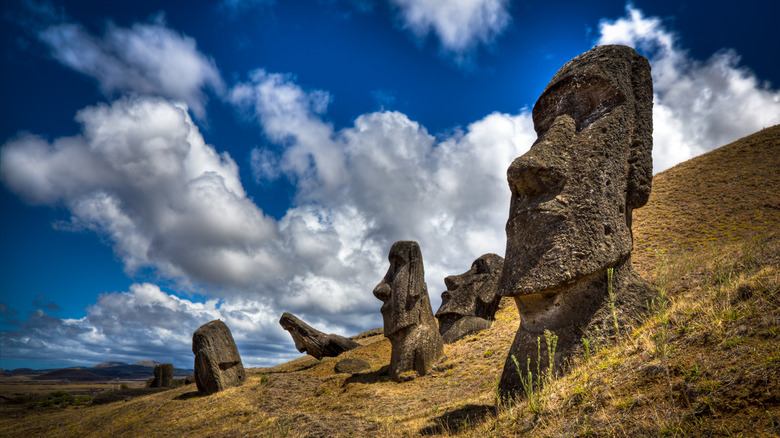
(406, 313)
(570, 212)
(217, 363)
(163, 375)
(471, 300)
(312, 341)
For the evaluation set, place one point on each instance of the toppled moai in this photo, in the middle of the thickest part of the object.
(312, 341)
(406, 313)
(570, 212)
(471, 300)
(163, 375)
(217, 363)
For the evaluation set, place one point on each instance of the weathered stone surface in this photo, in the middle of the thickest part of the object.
(312, 341)
(406, 312)
(351, 365)
(471, 300)
(163, 375)
(217, 363)
(572, 198)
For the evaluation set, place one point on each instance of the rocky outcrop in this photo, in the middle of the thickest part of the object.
(217, 363)
(572, 197)
(471, 300)
(163, 375)
(406, 313)
(312, 341)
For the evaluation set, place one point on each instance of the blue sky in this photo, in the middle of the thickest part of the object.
(164, 164)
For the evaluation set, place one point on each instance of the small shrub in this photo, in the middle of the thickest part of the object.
(533, 389)
(586, 344)
(693, 374)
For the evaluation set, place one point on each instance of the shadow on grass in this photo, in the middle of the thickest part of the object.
(124, 394)
(189, 395)
(454, 421)
(380, 375)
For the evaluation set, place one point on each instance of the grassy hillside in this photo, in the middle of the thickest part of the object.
(705, 362)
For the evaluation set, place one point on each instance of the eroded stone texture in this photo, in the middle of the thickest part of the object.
(312, 341)
(406, 312)
(217, 363)
(572, 198)
(471, 300)
(163, 375)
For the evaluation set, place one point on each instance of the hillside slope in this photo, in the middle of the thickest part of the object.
(705, 362)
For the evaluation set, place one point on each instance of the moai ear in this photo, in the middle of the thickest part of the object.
(416, 271)
(640, 160)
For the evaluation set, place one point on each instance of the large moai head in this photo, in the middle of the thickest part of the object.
(471, 300)
(406, 312)
(573, 192)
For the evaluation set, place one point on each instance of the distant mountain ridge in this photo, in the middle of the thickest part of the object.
(102, 371)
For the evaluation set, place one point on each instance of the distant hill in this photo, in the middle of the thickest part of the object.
(147, 363)
(110, 364)
(71, 374)
(22, 372)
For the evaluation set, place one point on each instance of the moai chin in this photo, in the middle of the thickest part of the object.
(572, 198)
(406, 313)
(471, 300)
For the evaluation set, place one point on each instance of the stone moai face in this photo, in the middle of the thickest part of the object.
(573, 192)
(473, 293)
(407, 315)
(403, 290)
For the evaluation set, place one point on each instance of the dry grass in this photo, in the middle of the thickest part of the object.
(705, 363)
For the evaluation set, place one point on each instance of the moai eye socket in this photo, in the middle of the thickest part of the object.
(584, 98)
(480, 266)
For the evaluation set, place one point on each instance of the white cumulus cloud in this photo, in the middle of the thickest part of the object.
(147, 58)
(141, 175)
(459, 25)
(383, 179)
(698, 106)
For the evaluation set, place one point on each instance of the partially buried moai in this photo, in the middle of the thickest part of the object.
(471, 300)
(163, 375)
(573, 194)
(217, 363)
(312, 341)
(406, 313)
